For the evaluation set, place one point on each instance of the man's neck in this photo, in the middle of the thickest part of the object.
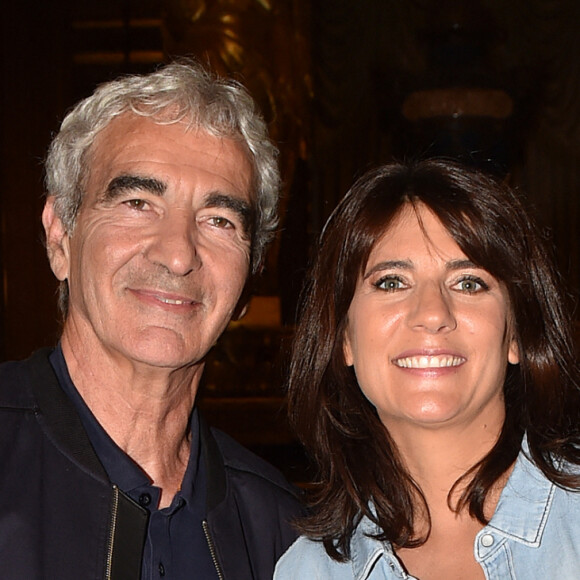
(144, 410)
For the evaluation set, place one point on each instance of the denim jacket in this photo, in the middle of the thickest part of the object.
(534, 534)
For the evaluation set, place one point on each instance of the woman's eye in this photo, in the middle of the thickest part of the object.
(471, 285)
(390, 283)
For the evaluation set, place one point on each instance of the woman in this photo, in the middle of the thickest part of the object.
(433, 381)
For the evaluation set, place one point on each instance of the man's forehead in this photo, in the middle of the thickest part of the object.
(131, 137)
(130, 125)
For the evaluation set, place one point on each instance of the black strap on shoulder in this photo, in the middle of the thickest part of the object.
(214, 465)
(59, 415)
(63, 425)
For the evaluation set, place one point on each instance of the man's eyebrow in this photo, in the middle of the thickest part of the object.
(123, 183)
(244, 209)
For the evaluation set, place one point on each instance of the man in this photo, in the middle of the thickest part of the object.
(162, 193)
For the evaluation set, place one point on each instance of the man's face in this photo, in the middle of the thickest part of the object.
(160, 251)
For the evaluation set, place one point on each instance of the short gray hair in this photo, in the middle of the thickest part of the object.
(182, 90)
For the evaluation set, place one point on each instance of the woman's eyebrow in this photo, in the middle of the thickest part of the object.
(390, 265)
(451, 266)
(123, 183)
(461, 264)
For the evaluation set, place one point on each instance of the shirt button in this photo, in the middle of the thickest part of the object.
(161, 569)
(487, 540)
(144, 499)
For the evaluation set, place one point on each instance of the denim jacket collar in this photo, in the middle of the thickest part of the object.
(520, 515)
(524, 504)
(366, 551)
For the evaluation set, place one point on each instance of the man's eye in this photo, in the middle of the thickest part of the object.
(220, 222)
(138, 204)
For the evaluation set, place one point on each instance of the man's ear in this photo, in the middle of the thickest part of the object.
(244, 300)
(57, 241)
(240, 311)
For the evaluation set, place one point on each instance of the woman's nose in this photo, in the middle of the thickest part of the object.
(432, 310)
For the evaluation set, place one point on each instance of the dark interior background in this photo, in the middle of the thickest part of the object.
(344, 85)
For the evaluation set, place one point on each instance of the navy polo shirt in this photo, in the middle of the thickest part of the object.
(176, 547)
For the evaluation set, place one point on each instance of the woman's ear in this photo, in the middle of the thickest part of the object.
(57, 241)
(347, 349)
(514, 352)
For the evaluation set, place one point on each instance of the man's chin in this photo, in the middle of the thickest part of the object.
(164, 348)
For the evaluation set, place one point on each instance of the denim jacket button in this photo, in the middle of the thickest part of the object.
(487, 540)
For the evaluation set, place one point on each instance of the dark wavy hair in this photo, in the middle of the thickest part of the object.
(358, 463)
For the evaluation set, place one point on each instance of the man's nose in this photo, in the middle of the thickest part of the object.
(175, 245)
(432, 310)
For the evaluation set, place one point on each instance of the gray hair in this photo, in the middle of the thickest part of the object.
(182, 90)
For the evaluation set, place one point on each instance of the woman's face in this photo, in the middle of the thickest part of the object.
(428, 332)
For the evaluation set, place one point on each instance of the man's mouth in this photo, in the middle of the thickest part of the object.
(172, 301)
(429, 362)
(161, 297)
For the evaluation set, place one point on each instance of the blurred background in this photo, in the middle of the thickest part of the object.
(344, 85)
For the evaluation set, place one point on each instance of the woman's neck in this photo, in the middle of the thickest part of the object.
(436, 458)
